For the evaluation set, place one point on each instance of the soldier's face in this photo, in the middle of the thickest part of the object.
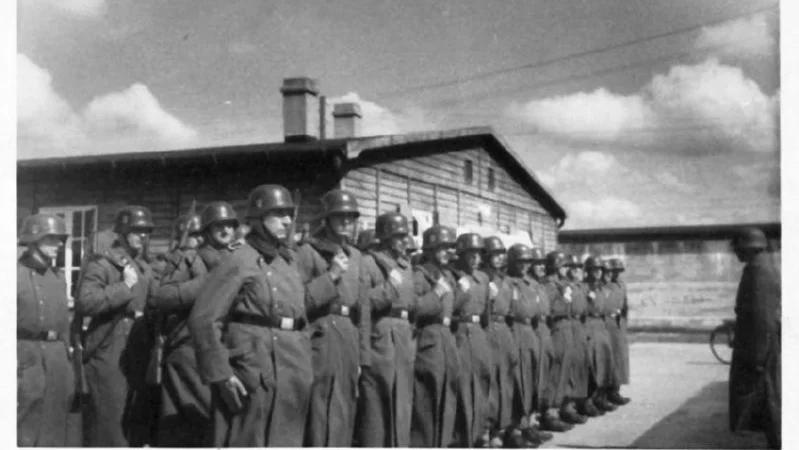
(575, 273)
(342, 224)
(614, 275)
(596, 274)
(136, 239)
(223, 233)
(441, 256)
(606, 275)
(497, 260)
(49, 246)
(539, 270)
(471, 258)
(194, 240)
(277, 223)
(398, 244)
(563, 271)
(523, 267)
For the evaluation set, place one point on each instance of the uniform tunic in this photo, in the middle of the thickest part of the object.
(436, 367)
(504, 354)
(755, 389)
(386, 386)
(257, 283)
(117, 351)
(45, 380)
(614, 301)
(578, 385)
(560, 296)
(545, 353)
(600, 353)
(339, 346)
(525, 307)
(185, 419)
(474, 355)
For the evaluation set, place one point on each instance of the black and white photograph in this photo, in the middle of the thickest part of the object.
(377, 223)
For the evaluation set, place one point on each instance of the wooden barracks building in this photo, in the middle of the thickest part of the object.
(467, 178)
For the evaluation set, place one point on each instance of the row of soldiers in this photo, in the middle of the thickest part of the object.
(261, 342)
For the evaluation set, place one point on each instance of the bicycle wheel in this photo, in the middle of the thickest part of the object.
(721, 343)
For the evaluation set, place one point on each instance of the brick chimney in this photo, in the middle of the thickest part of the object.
(300, 109)
(347, 120)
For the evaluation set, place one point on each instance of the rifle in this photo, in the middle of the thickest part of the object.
(155, 367)
(291, 242)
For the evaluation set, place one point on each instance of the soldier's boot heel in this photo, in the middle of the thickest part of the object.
(586, 408)
(616, 398)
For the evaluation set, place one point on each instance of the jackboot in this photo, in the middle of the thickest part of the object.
(586, 408)
(616, 398)
(551, 422)
(602, 403)
(569, 414)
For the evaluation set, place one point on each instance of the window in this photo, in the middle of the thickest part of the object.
(468, 172)
(81, 222)
(492, 182)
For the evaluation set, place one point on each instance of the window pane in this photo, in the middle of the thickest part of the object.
(468, 174)
(77, 223)
(88, 217)
(59, 260)
(74, 279)
(77, 252)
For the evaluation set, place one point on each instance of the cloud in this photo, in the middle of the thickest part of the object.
(129, 120)
(79, 8)
(604, 211)
(378, 120)
(740, 39)
(693, 109)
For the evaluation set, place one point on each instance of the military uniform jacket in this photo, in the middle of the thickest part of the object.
(45, 380)
(473, 301)
(383, 296)
(431, 307)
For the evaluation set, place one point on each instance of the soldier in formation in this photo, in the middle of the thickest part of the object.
(252, 340)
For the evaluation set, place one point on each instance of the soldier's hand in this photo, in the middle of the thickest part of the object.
(395, 277)
(464, 284)
(493, 290)
(339, 265)
(232, 392)
(442, 287)
(130, 276)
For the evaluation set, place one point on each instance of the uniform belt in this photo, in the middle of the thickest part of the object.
(399, 313)
(132, 314)
(49, 335)
(283, 323)
(472, 318)
(523, 320)
(341, 310)
(556, 319)
(595, 315)
(446, 321)
(499, 318)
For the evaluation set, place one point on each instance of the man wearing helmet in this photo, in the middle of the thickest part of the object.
(561, 295)
(185, 400)
(113, 291)
(602, 374)
(504, 352)
(526, 309)
(581, 368)
(436, 365)
(247, 328)
(220, 226)
(755, 389)
(332, 270)
(386, 386)
(617, 302)
(367, 241)
(45, 382)
(474, 293)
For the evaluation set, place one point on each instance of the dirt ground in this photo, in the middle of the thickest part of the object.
(679, 400)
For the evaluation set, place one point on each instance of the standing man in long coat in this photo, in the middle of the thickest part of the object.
(581, 368)
(220, 226)
(600, 351)
(45, 380)
(340, 316)
(755, 389)
(617, 326)
(475, 292)
(386, 386)
(436, 368)
(248, 327)
(185, 400)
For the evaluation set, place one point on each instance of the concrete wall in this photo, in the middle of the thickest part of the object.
(676, 283)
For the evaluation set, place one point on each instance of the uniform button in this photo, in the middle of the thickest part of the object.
(274, 338)
(269, 274)
(274, 289)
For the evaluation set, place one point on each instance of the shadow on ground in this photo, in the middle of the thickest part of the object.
(700, 422)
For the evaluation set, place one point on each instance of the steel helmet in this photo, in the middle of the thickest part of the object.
(438, 236)
(391, 224)
(340, 202)
(493, 244)
(520, 253)
(593, 262)
(366, 240)
(469, 241)
(132, 217)
(556, 259)
(266, 198)
(538, 255)
(37, 226)
(218, 212)
(193, 223)
(573, 261)
(750, 238)
(616, 264)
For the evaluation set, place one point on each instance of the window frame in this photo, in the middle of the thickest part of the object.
(468, 172)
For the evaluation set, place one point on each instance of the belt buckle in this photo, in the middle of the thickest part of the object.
(475, 319)
(286, 323)
(52, 335)
(404, 314)
(345, 311)
(446, 321)
(137, 314)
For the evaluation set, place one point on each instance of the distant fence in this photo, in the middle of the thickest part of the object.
(683, 305)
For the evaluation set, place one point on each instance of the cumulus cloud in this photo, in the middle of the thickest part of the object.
(694, 109)
(603, 211)
(745, 38)
(378, 120)
(129, 120)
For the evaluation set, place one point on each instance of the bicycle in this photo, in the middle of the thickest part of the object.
(721, 341)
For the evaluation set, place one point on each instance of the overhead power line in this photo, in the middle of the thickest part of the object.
(550, 61)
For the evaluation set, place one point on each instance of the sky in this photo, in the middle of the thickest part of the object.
(670, 130)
